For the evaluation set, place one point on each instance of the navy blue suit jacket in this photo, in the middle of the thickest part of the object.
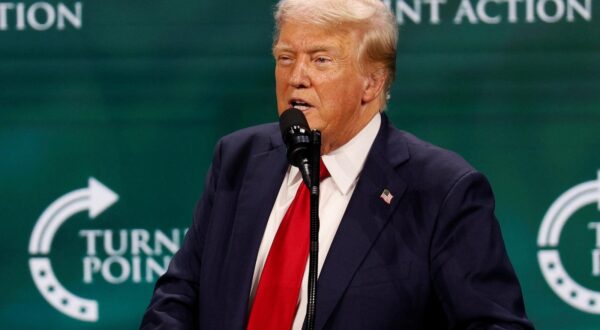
(433, 258)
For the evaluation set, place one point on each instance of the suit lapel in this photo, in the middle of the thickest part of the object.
(261, 184)
(366, 216)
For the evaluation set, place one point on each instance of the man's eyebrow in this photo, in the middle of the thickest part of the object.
(281, 47)
(320, 48)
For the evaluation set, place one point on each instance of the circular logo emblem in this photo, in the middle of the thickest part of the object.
(94, 199)
(571, 292)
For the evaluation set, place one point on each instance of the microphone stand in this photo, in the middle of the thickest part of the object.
(315, 147)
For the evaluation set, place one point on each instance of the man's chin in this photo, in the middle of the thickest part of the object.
(315, 124)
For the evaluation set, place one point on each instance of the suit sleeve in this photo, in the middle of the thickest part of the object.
(174, 303)
(471, 272)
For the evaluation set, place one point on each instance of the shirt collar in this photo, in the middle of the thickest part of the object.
(345, 163)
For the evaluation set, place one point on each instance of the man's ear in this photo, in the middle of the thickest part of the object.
(374, 85)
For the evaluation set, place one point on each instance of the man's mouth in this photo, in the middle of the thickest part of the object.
(300, 105)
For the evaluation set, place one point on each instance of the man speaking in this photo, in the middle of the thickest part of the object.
(408, 236)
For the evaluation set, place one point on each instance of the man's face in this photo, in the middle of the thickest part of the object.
(317, 72)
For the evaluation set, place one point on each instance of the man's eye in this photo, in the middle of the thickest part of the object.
(284, 59)
(323, 59)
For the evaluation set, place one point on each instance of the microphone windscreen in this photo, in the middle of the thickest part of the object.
(291, 117)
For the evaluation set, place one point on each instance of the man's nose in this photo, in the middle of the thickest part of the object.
(299, 77)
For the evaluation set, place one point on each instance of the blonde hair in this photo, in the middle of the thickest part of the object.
(371, 17)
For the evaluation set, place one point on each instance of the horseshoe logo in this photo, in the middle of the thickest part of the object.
(549, 260)
(95, 199)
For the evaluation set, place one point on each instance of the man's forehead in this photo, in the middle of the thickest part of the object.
(300, 37)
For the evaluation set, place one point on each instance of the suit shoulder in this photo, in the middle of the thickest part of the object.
(252, 139)
(433, 163)
(233, 151)
(258, 132)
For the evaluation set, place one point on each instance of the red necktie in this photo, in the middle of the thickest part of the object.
(276, 298)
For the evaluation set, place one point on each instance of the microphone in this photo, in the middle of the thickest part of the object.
(296, 135)
(303, 148)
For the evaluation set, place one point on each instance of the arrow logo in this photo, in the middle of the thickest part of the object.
(95, 198)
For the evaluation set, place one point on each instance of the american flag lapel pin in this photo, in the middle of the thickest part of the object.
(387, 196)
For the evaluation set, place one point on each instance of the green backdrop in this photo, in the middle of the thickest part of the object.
(137, 94)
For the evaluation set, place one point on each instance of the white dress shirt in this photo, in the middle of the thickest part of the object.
(344, 164)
